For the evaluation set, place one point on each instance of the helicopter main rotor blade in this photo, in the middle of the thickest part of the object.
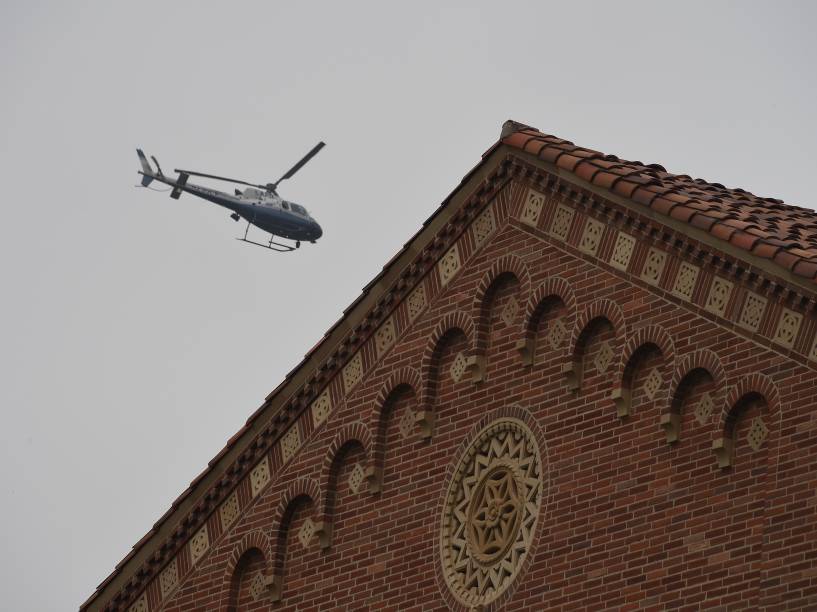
(300, 164)
(219, 178)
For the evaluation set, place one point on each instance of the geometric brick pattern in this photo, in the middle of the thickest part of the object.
(291, 442)
(458, 367)
(353, 372)
(752, 312)
(356, 477)
(140, 605)
(557, 333)
(385, 336)
(622, 251)
(199, 544)
(321, 407)
(704, 409)
(654, 266)
(591, 238)
(787, 328)
(306, 532)
(757, 434)
(562, 220)
(652, 384)
(449, 265)
(483, 226)
(406, 423)
(719, 295)
(685, 281)
(813, 352)
(533, 207)
(603, 357)
(416, 302)
(169, 578)
(508, 313)
(229, 510)
(259, 477)
(257, 586)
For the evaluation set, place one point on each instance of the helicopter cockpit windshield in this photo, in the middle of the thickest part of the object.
(297, 208)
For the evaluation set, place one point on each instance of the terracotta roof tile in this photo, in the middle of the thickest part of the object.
(767, 227)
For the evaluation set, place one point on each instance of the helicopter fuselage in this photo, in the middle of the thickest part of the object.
(264, 209)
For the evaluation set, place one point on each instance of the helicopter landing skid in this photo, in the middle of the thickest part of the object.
(272, 245)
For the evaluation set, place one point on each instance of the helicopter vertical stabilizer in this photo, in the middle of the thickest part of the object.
(147, 171)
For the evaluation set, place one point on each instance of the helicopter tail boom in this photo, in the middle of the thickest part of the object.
(147, 172)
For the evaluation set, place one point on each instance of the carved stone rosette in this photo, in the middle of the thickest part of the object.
(490, 512)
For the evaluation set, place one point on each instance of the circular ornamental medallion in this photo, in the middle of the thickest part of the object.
(490, 512)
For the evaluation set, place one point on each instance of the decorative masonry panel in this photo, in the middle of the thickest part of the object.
(652, 384)
(199, 544)
(406, 423)
(562, 220)
(704, 409)
(260, 476)
(291, 442)
(622, 251)
(353, 372)
(229, 511)
(534, 202)
(757, 434)
(685, 281)
(385, 336)
(257, 586)
(449, 265)
(787, 328)
(719, 294)
(591, 237)
(321, 407)
(416, 302)
(603, 357)
(508, 314)
(813, 352)
(458, 367)
(557, 333)
(654, 266)
(484, 226)
(356, 477)
(306, 532)
(169, 578)
(752, 312)
(140, 605)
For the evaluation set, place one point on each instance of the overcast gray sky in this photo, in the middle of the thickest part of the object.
(138, 335)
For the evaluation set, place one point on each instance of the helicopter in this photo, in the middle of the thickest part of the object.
(259, 205)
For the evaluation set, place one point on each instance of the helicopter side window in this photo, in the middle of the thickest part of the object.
(285, 205)
(299, 209)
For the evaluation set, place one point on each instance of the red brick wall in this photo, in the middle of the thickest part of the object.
(627, 519)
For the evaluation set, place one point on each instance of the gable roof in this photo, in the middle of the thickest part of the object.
(762, 227)
(766, 227)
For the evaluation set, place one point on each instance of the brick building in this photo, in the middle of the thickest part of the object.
(584, 383)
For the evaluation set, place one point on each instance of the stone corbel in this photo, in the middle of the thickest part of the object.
(323, 529)
(475, 365)
(671, 424)
(723, 449)
(572, 373)
(374, 476)
(525, 348)
(623, 400)
(425, 420)
(275, 587)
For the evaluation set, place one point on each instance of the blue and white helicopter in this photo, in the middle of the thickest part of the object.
(259, 205)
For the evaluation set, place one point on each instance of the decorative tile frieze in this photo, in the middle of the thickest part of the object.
(140, 605)
(228, 511)
(458, 367)
(652, 384)
(356, 478)
(719, 294)
(685, 281)
(385, 336)
(534, 202)
(406, 423)
(603, 357)
(654, 266)
(291, 442)
(258, 586)
(591, 236)
(306, 532)
(199, 544)
(260, 476)
(353, 372)
(509, 312)
(557, 333)
(321, 407)
(416, 302)
(704, 409)
(449, 265)
(562, 220)
(169, 578)
(484, 226)
(787, 328)
(757, 434)
(622, 251)
(752, 314)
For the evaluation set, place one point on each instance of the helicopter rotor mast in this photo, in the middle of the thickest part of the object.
(271, 187)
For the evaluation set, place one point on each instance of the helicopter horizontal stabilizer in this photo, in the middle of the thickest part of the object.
(147, 171)
(179, 186)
